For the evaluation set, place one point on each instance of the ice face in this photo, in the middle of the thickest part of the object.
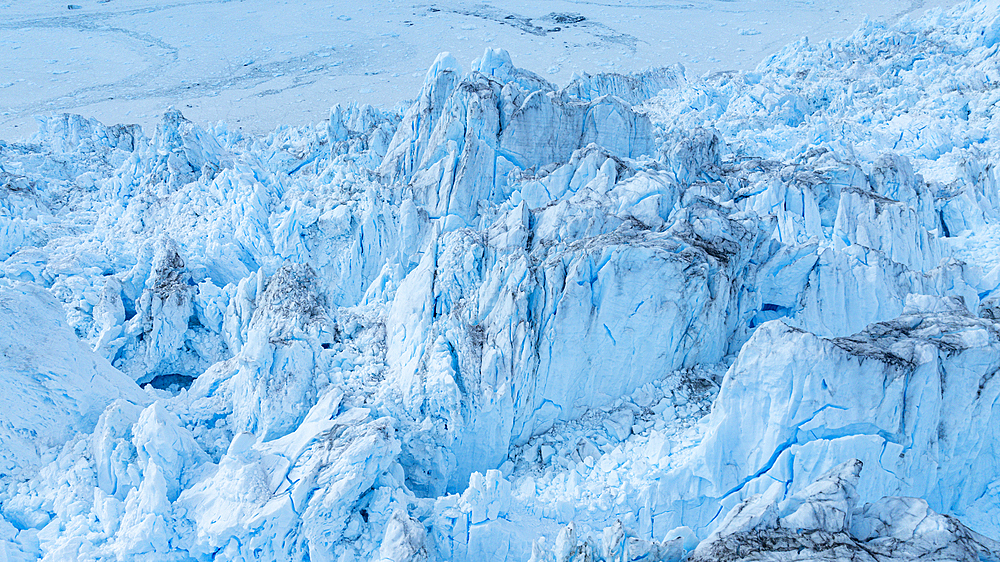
(515, 321)
(904, 396)
(823, 522)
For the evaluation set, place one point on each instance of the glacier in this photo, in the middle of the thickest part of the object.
(743, 316)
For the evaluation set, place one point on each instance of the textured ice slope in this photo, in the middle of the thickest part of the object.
(53, 386)
(518, 321)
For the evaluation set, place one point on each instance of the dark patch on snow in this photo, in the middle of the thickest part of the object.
(566, 17)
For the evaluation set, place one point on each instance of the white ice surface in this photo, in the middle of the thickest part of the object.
(256, 64)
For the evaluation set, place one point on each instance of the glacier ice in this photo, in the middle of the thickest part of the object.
(824, 522)
(54, 385)
(644, 317)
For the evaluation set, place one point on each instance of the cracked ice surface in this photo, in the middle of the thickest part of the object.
(637, 317)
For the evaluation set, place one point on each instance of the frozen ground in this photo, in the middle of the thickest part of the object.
(256, 63)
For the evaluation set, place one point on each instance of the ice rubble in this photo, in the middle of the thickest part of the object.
(517, 321)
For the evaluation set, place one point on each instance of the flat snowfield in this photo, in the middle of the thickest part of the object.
(256, 63)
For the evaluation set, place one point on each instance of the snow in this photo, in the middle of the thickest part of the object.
(747, 316)
(256, 64)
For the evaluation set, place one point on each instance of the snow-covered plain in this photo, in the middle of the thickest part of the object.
(258, 63)
(748, 316)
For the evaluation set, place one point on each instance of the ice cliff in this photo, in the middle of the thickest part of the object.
(746, 316)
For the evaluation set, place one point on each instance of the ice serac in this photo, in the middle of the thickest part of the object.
(631, 88)
(275, 381)
(498, 337)
(53, 386)
(457, 147)
(361, 133)
(407, 148)
(913, 398)
(153, 342)
(183, 152)
(824, 522)
(309, 487)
